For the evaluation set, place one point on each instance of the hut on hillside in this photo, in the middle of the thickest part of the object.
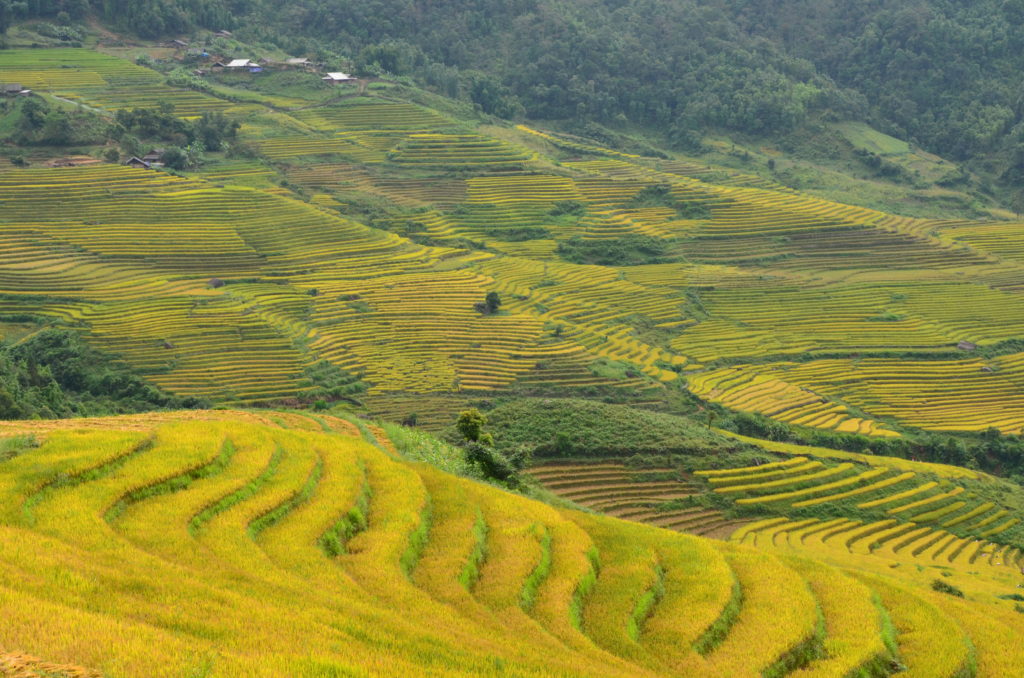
(338, 78)
(156, 155)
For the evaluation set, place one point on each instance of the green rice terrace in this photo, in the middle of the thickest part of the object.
(770, 434)
(402, 217)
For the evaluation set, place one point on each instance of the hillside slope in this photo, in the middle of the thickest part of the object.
(274, 544)
(621, 276)
(943, 75)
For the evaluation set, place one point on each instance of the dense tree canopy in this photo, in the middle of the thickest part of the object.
(942, 73)
(945, 74)
(54, 374)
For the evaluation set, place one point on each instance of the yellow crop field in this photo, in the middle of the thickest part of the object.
(409, 256)
(272, 543)
(841, 298)
(804, 451)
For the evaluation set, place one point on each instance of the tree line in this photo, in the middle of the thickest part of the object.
(944, 74)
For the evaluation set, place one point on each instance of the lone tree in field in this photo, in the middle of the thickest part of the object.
(471, 424)
(479, 448)
(492, 302)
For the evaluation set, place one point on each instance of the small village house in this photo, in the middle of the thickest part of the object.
(137, 163)
(338, 78)
(13, 90)
(154, 157)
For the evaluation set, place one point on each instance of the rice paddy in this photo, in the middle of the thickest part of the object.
(170, 543)
(355, 245)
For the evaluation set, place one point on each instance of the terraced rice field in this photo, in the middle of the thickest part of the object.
(808, 311)
(650, 496)
(367, 113)
(458, 150)
(103, 81)
(949, 395)
(886, 515)
(930, 515)
(283, 544)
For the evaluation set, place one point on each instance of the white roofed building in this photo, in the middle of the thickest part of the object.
(338, 77)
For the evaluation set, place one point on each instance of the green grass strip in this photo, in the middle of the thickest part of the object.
(16, 445)
(334, 541)
(173, 484)
(646, 603)
(583, 588)
(719, 629)
(66, 481)
(276, 514)
(799, 656)
(199, 520)
(417, 541)
(471, 570)
(528, 595)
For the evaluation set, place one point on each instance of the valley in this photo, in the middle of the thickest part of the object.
(723, 426)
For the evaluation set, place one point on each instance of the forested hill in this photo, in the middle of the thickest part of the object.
(943, 74)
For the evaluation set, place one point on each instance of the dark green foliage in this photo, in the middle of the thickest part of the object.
(37, 123)
(630, 250)
(153, 18)
(175, 158)
(62, 31)
(492, 302)
(552, 427)
(571, 207)
(54, 374)
(660, 195)
(470, 424)
(333, 384)
(154, 123)
(492, 96)
(211, 130)
(949, 589)
(521, 233)
(480, 452)
(63, 10)
(492, 464)
(946, 75)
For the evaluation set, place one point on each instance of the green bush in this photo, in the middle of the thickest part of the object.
(630, 250)
(54, 374)
(949, 589)
(569, 427)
